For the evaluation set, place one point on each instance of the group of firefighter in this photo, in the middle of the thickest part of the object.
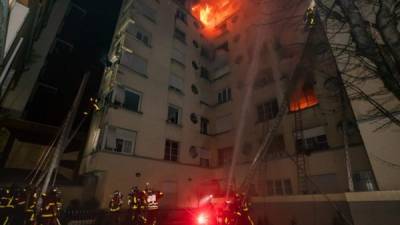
(19, 206)
(143, 206)
(235, 211)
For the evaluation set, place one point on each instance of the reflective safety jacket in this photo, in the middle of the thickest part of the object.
(6, 201)
(50, 207)
(152, 199)
(31, 206)
(115, 204)
(137, 200)
(20, 199)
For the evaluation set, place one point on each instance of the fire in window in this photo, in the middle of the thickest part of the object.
(303, 98)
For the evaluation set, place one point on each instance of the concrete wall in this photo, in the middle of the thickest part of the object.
(24, 155)
(17, 97)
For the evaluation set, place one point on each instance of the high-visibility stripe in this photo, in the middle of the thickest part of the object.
(5, 221)
(47, 215)
(116, 209)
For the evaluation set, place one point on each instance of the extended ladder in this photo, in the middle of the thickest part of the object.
(300, 154)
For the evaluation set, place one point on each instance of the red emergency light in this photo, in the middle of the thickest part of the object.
(202, 219)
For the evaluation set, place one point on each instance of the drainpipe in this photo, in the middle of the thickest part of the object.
(3, 27)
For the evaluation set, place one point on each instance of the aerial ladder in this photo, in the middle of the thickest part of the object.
(300, 150)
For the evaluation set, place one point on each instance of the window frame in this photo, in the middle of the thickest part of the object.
(103, 138)
(204, 125)
(180, 35)
(224, 95)
(179, 114)
(138, 93)
(267, 110)
(168, 148)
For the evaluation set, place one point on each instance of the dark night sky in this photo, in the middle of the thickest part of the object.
(91, 34)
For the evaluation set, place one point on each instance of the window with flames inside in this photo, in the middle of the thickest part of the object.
(303, 98)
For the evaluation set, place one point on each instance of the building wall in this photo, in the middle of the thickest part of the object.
(24, 155)
(19, 93)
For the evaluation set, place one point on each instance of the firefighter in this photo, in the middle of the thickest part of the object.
(30, 209)
(50, 208)
(19, 204)
(115, 207)
(241, 209)
(137, 206)
(209, 209)
(227, 213)
(6, 206)
(310, 17)
(152, 199)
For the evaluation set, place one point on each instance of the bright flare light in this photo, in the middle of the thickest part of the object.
(201, 219)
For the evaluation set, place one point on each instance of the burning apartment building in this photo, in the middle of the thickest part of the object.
(193, 89)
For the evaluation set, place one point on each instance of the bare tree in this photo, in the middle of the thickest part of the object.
(365, 40)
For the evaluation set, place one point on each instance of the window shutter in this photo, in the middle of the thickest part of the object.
(176, 82)
(111, 136)
(178, 55)
(134, 62)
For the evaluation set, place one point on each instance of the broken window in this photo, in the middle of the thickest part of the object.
(303, 98)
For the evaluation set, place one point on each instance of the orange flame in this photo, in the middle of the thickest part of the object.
(303, 99)
(213, 12)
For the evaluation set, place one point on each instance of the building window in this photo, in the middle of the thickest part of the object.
(224, 95)
(364, 181)
(120, 140)
(176, 83)
(132, 100)
(195, 66)
(204, 53)
(303, 98)
(174, 114)
(268, 110)
(224, 46)
(134, 62)
(178, 56)
(171, 150)
(180, 35)
(140, 34)
(225, 156)
(180, 15)
(204, 125)
(288, 186)
(270, 187)
(204, 73)
(128, 99)
(278, 187)
(313, 143)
